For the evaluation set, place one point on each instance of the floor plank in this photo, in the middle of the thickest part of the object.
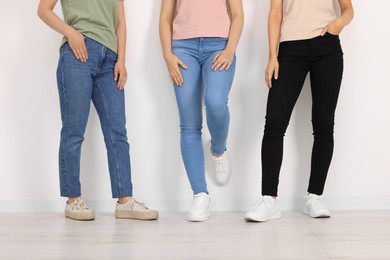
(347, 235)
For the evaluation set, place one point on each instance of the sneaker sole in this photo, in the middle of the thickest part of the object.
(305, 212)
(152, 215)
(275, 216)
(79, 218)
(198, 218)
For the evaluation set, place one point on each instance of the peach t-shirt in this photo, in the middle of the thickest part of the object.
(201, 18)
(305, 19)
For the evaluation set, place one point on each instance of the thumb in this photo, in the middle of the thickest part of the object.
(116, 73)
(183, 64)
(325, 30)
(276, 73)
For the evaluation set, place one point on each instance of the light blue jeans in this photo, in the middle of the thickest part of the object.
(198, 54)
(78, 84)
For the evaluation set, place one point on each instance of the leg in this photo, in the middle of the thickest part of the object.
(189, 100)
(281, 101)
(109, 102)
(217, 87)
(74, 80)
(325, 77)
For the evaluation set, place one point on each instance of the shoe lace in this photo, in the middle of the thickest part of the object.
(220, 164)
(261, 204)
(79, 205)
(140, 203)
(198, 202)
(316, 203)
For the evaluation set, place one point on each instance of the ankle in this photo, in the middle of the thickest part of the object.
(123, 200)
(71, 200)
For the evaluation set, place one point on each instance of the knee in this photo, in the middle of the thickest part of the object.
(275, 127)
(323, 128)
(216, 107)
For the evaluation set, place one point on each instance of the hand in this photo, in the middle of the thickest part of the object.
(173, 63)
(223, 60)
(77, 44)
(120, 74)
(272, 70)
(334, 28)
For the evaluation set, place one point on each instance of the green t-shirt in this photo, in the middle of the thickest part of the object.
(95, 19)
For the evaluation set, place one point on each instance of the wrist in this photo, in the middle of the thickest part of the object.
(121, 59)
(167, 55)
(69, 31)
(230, 49)
(273, 56)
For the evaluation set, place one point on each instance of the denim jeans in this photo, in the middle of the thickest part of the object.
(78, 84)
(322, 56)
(198, 54)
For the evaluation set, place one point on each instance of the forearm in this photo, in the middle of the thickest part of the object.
(121, 40)
(346, 16)
(237, 24)
(53, 21)
(274, 24)
(166, 37)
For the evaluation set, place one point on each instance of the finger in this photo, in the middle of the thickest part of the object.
(76, 54)
(171, 79)
(180, 77)
(176, 78)
(123, 82)
(224, 65)
(183, 65)
(276, 73)
(216, 58)
(267, 79)
(85, 52)
(325, 30)
(219, 64)
(228, 66)
(116, 73)
(215, 64)
(81, 54)
(120, 79)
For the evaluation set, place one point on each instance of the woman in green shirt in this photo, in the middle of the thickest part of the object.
(92, 67)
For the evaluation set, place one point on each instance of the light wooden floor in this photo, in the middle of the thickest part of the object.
(347, 235)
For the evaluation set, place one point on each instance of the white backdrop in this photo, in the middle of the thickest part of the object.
(30, 118)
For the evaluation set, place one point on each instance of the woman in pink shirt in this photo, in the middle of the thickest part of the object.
(199, 40)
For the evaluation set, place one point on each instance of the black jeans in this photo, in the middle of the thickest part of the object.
(323, 58)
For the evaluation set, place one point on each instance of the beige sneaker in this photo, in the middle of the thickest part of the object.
(135, 210)
(78, 210)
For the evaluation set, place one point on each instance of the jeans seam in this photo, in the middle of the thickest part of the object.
(117, 175)
(65, 123)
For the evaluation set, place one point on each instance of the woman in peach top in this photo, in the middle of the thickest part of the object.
(306, 32)
(199, 40)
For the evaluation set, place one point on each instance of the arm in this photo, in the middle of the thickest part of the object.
(274, 23)
(75, 39)
(172, 61)
(120, 72)
(346, 17)
(224, 59)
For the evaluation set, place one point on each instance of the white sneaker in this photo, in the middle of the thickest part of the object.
(314, 207)
(222, 168)
(78, 210)
(265, 208)
(200, 210)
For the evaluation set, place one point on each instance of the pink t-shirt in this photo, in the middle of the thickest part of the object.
(201, 18)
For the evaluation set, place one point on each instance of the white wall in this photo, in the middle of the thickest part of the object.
(30, 118)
